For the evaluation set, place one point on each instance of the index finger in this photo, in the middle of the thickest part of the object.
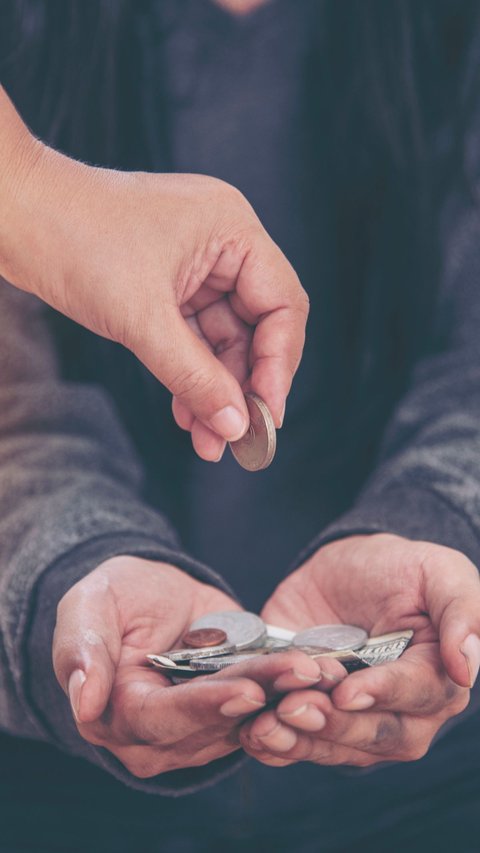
(285, 671)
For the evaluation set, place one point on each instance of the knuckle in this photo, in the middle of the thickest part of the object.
(365, 761)
(141, 771)
(337, 726)
(416, 752)
(388, 734)
(425, 699)
(384, 739)
(196, 382)
(305, 750)
(416, 746)
(141, 765)
(93, 735)
(303, 300)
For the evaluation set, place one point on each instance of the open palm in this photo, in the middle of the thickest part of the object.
(390, 712)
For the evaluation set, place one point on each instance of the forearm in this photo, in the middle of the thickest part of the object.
(39, 188)
(20, 153)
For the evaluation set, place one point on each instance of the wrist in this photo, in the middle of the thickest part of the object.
(37, 189)
(20, 152)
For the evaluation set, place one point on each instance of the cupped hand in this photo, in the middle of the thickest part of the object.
(177, 268)
(390, 712)
(106, 625)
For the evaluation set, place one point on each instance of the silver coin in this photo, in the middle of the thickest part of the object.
(204, 652)
(244, 630)
(216, 664)
(333, 638)
(162, 661)
(270, 647)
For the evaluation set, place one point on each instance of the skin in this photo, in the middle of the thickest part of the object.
(240, 7)
(234, 292)
(129, 607)
(177, 268)
(106, 625)
(390, 712)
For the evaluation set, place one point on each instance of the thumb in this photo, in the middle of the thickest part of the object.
(193, 374)
(86, 650)
(452, 593)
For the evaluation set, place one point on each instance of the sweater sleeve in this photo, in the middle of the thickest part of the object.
(426, 483)
(70, 498)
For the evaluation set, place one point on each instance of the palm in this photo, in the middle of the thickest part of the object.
(373, 582)
(155, 618)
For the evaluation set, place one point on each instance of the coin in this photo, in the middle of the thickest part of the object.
(180, 655)
(331, 637)
(162, 661)
(256, 449)
(204, 637)
(217, 664)
(243, 629)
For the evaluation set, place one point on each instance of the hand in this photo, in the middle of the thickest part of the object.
(390, 712)
(106, 625)
(177, 268)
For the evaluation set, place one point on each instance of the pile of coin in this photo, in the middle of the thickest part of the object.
(220, 640)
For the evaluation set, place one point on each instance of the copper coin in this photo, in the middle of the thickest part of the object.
(256, 449)
(204, 637)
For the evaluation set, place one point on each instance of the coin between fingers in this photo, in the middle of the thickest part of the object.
(256, 449)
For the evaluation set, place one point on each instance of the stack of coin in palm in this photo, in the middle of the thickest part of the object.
(219, 640)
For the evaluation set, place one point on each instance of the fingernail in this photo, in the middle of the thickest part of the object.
(470, 649)
(220, 455)
(229, 423)
(75, 684)
(269, 731)
(316, 720)
(282, 416)
(335, 679)
(360, 702)
(285, 738)
(285, 680)
(312, 679)
(240, 705)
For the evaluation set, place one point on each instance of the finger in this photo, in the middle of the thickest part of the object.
(278, 746)
(182, 414)
(169, 715)
(303, 710)
(452, 598)
(280, 672)
(228, 336)
(155, 730)
(269, 296)
(415, 684)
(207, 444)
(275, 356)
(187, 367)
(86, 648)
(377, 733)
